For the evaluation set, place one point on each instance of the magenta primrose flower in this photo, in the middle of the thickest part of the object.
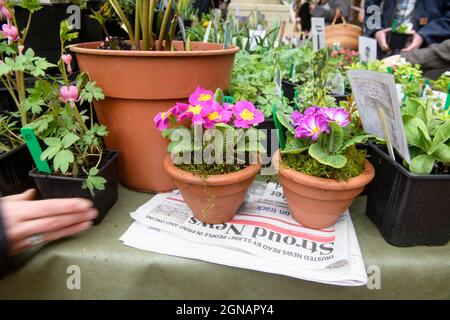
(217, 114)
(246, 115)
(311, 127)
(201, 97)
(315, 120)
(68, 94)
(338, 115)
(10, 32)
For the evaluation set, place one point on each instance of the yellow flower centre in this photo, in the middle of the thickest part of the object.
(214, 116)
(195, 109)
(315, 129)
(247, 115)
(204, 97)
(163, 115)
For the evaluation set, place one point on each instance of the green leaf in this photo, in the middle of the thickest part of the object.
(336, 138)
(295, 146)
(62, 160)
(411, 126)
(442, 134)
(422, 164)
(357, 140)
(52, 141)
(31, 5)
(69, 139)
(5, 69)
(285, 121)
(335, 161)
(442, 153)
(34, 104)
(50, 152)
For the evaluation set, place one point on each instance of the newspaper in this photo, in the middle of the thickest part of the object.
(263, 236)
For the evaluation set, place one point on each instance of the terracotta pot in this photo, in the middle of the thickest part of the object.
(216, 199)
(317, 202)
(138, 85)
(345, 33)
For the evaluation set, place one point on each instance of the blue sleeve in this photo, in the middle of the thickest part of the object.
(437, 30)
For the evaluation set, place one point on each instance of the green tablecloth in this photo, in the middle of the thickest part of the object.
(110, 270)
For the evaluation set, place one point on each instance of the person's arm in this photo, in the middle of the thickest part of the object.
(434, 57)
(438, 29)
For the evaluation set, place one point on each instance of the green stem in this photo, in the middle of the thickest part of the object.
(25, 32)
(137, 20)
(164, 25)
(145, 32)
(116, 6)
(151, 14)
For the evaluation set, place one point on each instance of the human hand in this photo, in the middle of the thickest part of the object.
(381, 36)
(416, 43)
(28, 223)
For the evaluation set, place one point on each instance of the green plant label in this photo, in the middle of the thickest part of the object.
(35, 149)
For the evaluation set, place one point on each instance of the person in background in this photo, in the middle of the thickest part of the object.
(435, 57)
(430, 21)
(25, 223)
(329, 9)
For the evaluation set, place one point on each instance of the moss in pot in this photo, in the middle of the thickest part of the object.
(214, 151)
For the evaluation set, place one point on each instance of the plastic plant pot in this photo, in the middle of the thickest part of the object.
(288, 88)
(408, 209)
(14, 168)
(53, 186)
(398, 41)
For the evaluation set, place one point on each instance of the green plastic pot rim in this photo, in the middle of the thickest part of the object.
(50, 176)
(91, 49)
(404, 171)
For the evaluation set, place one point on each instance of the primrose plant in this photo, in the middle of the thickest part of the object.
(428, 135)
(324, 135)
(219, 134)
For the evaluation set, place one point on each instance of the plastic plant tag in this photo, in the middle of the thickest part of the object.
(367, 49)
(228, 99)
(207, 32)
(338, 85)
(318, 33)
(278, 126)
(182, 29)
(277, 80)
(35, 149)
(447, 101)
(226, 35)
(378, 104)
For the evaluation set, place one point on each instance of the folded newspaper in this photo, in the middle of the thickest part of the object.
(263, 236)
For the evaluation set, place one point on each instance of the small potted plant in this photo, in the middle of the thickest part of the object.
(400, 37)
(79, 164)
(320, 168)
(214, 158)
(409, 203)
(143, 76)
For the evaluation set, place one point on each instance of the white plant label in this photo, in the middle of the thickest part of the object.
(318, 33)
(378, 104)
(367, 49)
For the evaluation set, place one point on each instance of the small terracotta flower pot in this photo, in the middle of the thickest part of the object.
(215, 199)
(315, 202)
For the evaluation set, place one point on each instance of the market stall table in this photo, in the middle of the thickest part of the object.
(110, 270)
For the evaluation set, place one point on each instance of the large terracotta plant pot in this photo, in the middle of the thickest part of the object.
(317, 202)
(216, 198)
(138, 85)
